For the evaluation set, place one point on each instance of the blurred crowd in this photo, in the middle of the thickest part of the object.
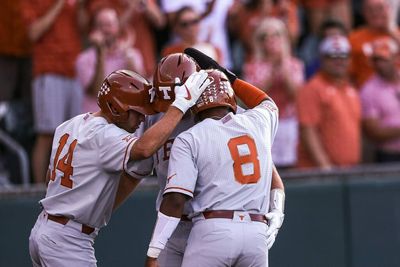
(332, 67)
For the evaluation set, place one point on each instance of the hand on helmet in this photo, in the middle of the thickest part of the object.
(206, 62)
(187, 94)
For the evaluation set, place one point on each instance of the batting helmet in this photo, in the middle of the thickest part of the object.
(178, 65)
(124, 90)
(218, 94)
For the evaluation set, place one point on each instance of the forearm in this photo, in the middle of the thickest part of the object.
(277, 182)
(379, 133)
(98, 77)
(156, 135)
(154, 14)
(125, 187)
(43, 24)
(83, 18)
(314, 147)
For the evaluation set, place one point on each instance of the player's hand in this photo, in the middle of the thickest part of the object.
(275, 220)
(151, 262)
(187, 94)
(206, 62)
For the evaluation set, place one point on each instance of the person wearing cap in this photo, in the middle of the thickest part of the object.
(380, 21)
(380, 99)
(329, 111)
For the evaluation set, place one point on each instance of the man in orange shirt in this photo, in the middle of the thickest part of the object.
(53, 27)
(329, 111)
(379, 23)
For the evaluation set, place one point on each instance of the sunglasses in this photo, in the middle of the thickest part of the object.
(188, 23)
(337, 56)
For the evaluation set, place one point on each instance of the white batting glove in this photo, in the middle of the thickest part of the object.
(275, 216)
(187, 94)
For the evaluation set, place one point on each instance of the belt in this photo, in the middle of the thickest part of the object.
(185, 218)
(229, 214)
(64, 220)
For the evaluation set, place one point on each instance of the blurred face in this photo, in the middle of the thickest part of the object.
(134, 120)
(107, 22)
(272, 41)
(336, 65)
(377, 13)
(188, 26)
(384, 67)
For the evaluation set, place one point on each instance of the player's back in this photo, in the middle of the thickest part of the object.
(87, 157)
(233, 158)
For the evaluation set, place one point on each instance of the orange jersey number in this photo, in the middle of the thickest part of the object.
(239, 160)
(65, 163)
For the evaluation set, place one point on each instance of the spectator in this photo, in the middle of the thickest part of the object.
(379, 23)
(244, 17)
(187, 27)
(54, 30)
(107, 54)
(380, 98)
(213, 14)
(307, 50)
(278, 73)
(329, 111)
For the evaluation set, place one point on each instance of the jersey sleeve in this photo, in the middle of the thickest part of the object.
(182, 170)
(114, 148)
(140, 168)
(267, 112)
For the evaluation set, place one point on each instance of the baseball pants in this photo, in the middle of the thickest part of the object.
(226, 242)
(172, 254)
(54, 244)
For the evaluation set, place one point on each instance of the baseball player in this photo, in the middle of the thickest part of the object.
(223, 164)
(89, 154)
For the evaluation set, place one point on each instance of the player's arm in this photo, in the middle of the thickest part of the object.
(248, 93)
(181, 181)
(126, 186)
(275, 213)
(185, 97)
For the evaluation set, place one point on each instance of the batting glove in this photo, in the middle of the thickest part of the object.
(275, 216)
(205, 62)
(187, 94)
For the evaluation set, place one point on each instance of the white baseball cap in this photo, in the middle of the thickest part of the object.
(334, 45)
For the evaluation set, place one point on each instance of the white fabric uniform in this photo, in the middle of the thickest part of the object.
(172, 255)
(87, 159)
(226, 164)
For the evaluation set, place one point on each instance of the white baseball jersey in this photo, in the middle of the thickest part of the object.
(87, 158)
(160, 160)
(226, 164)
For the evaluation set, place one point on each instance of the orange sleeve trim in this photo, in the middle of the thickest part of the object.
(248, 93)
(126, 152)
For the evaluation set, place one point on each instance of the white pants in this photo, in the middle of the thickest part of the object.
(53, 244)
(172, 254)
(227, 242)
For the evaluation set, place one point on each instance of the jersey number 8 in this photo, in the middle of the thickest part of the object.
(239, 160)
(65, 163)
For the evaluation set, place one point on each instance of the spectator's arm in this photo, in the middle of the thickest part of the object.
(83, 17)
(154, 14)
(98, 76)
(313, 144)
(44, 23)
(378, 133)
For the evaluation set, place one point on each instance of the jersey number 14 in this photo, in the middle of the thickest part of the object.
(239, 160)
(65, 163)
